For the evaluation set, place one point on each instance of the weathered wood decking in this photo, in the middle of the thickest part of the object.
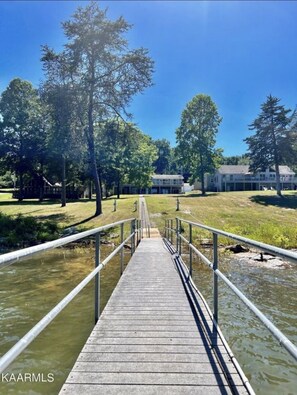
(151, 338)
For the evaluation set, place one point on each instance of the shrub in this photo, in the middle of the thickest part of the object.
(20, 231)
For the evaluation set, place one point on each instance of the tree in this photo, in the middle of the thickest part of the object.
(143, 155)
(290, 143)
(162, 163)
(125, 154)
(196, 137)
(236, 160)
(64, 139)
(267, 146)
(22, 131)
(104, 72)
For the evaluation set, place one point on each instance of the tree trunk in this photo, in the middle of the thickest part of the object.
(90, 190)
(21, 187)
(95, 173)
(41, 183)
(63, 191)
(41, 188)
(276, 163)
(98, 210)
(91, 143)
(118, 186)
(202, 176)
(202, 184)
(277, 179)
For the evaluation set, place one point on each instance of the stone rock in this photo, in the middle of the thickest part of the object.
(113, 235)
(236, 249)
(262, 260)
(70, 231)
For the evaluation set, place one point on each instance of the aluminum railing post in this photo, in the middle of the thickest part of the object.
(166, 229)
(215, 288)
(180, 240)
(171, 231)
(176, 233)
(191, 252)
(132, 238)
(135, 234)
(97, 277)
(122, 249)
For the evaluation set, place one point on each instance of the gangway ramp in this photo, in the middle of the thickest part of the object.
(151, 337)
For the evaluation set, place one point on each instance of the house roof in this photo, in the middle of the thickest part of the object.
(167, 177)
(234, 169)
(244, 169)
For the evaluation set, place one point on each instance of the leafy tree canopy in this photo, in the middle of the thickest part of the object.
(196, 137)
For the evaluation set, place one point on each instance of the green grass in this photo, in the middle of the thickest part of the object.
(76, 213)
(257, 215)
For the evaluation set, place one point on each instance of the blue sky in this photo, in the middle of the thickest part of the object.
(236, 52)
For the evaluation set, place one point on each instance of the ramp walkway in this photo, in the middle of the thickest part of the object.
(154, 336)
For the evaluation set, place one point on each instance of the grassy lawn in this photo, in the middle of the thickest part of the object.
(257, 215)
(77, 213)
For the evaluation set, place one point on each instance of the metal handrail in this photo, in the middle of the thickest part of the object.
(12, 257)
(292, 256)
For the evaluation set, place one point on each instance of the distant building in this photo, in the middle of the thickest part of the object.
(161, 184)
(239, 178)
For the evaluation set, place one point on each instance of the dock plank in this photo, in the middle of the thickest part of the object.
(149, 338)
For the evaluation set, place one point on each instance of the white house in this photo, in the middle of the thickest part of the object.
(161, 183)
(239, 178)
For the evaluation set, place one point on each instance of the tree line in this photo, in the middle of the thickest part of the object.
(273, 143)
(75, 127)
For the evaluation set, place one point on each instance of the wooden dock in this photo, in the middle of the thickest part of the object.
(153, 337)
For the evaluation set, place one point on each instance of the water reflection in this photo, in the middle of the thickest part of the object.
(30, 289)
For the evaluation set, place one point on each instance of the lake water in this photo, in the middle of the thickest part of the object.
(29, 289)
(269, 367)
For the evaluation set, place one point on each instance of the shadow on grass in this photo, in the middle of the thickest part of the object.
(27, 202)
(289, 201)
(45, 202)
(197, 195)
(52, 217)
(83, 221)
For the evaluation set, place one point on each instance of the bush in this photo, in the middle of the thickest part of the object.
(20, 231)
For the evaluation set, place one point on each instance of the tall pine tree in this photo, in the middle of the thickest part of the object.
(267, 145)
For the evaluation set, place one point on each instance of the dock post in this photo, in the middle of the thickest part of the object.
(215, 289)
(176, 233)
(122, 250)
(97, 277)
(135, 229)
(133, 237)
(190, 246)
(180, 239)
(166, 229)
